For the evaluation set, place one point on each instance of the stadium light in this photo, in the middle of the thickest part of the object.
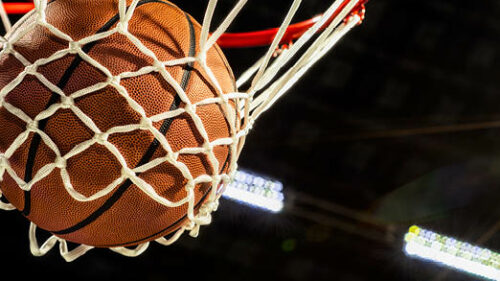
(256, 191)
(460, 255)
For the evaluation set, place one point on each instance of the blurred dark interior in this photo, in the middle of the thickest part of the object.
(398, 125)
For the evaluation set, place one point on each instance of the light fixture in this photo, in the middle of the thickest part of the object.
(460, 255)
(257, 191)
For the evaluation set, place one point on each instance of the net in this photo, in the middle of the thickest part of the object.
(259, 87)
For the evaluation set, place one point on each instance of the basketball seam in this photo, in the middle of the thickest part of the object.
(146, 238)
(172, 224)
(35, 142)
(149, 153)
(158, 232)
(27, 195)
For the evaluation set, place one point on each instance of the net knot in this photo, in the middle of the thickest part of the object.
(190, 108)
(74, 47)
(7, 47)
(190, 225)
(128, 173)
(195, 231)
(31, 69)
(41, 17)
(32, 126)
(146, 123)
(60, 162)
(66, 102)
(201, 58)
(24, 186)
(122, 27)
(208, 207)
(114, 80)
(158, 65)
(207, 147)
(101, 138)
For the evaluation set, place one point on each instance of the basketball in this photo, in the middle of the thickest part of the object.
(123, 90)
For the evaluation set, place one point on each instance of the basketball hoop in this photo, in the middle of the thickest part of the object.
(254, 92)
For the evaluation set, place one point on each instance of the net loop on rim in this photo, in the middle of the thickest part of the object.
(259, 88)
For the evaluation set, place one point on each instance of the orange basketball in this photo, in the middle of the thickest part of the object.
(126, 216)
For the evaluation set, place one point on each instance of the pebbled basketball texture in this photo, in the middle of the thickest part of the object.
(126, 216)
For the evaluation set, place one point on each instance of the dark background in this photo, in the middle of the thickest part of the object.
(398, 125)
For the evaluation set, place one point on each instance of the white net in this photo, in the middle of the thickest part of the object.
(264, 83)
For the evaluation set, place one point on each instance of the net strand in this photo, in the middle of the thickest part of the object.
(131, 252)
(282, 85)
(223, 26)
(240, 108)
(207, 21)
(321, 45)
(5, 18)
(282, 60)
